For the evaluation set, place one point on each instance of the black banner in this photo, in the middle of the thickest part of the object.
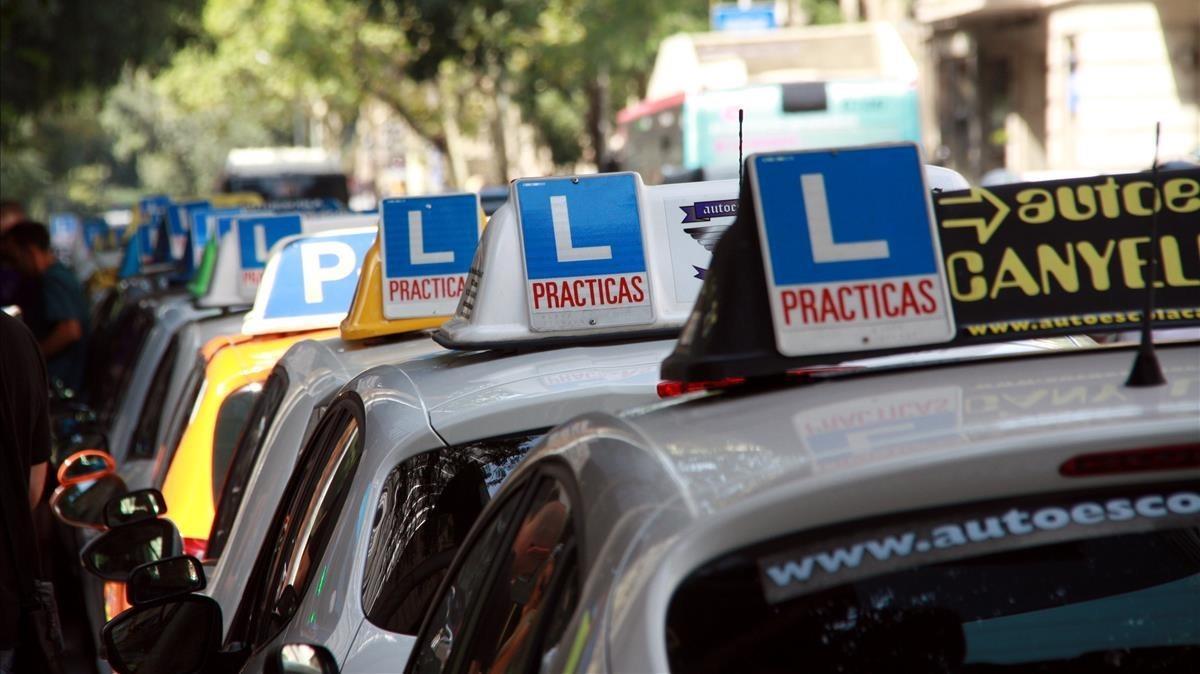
(1071, 256)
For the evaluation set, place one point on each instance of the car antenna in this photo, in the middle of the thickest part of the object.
(741, 116)
(1146, 369)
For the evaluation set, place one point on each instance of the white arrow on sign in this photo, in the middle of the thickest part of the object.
(566, 251)
(820, 228)
(416, 243)
(316, 275)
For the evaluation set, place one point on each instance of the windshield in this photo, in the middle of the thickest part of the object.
(284, 186)
(1108, 582)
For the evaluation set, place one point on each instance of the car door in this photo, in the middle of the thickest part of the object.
(512, 588)
(302, 526)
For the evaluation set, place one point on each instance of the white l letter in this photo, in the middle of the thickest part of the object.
(416, 243)
(820, 228)
(566, 251)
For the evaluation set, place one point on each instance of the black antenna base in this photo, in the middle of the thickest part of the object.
(1146, 371)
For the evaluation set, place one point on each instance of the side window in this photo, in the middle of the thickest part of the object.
(307, 523)
(231, 418)
(146, 433)
(245, 454)
(508, 591)
(428, 504)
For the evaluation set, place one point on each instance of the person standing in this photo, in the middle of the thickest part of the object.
(60, 320)
(30, 639)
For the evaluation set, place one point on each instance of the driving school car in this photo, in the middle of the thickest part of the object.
(302, 385)
(315, 277)
(444, 429)
(1019, 512)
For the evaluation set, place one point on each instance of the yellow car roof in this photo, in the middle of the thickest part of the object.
(418, 266)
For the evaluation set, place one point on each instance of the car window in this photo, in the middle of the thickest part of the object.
(304, 528)
(426, 507)
(231, 419)
(1042, 584)
(505, 590)
(245, 455)
(118, 363)
(150, 418)
(185, 409)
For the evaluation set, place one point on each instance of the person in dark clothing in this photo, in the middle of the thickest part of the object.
(60, 319)
(25, 441)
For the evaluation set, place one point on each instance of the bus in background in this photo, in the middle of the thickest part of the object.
(285, 173)
(816, 86)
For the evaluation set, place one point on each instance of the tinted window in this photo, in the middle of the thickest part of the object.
(1027, 586)
(427, 506)
(508, 589)
(304, 527)
(292, 186)
(245, 455)
(231, 419)
(146, 433)
(119, 358)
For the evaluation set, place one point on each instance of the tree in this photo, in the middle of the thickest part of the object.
(52, 50)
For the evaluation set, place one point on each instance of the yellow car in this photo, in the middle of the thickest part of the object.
(233, 380)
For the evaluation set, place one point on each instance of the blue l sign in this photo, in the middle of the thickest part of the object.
(255, 236)
(428, 244)
(850, 251)
(585, 259)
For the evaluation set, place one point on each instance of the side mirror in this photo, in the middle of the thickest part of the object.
(136, 505)
(163, 579)
(82, 503)
(300, 659)
(87, 464)
(116, 552)
(180, 634)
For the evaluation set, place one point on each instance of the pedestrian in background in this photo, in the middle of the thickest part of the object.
(59, 315)
(11, 212)
(30, 637)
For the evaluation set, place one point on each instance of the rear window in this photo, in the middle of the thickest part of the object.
(245, 455)
(231, 419)
(1107, 581)
(118, 358)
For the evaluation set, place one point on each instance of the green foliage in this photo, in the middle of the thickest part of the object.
(53, 50)
(822, 11)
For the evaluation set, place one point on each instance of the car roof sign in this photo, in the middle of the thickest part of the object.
(309, 281)
(427, 246)
(584, 252)
(598, 264)
(846, 273)
(365, 318)
(1019, 261)
(242, 252)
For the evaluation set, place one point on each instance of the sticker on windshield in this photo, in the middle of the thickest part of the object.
(585, 257)
(972, 531)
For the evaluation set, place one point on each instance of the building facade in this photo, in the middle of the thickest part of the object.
(1041, 88)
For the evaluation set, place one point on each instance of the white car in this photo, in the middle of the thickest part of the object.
(1014, 512)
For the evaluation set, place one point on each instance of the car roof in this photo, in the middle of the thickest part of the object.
(672, 486)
